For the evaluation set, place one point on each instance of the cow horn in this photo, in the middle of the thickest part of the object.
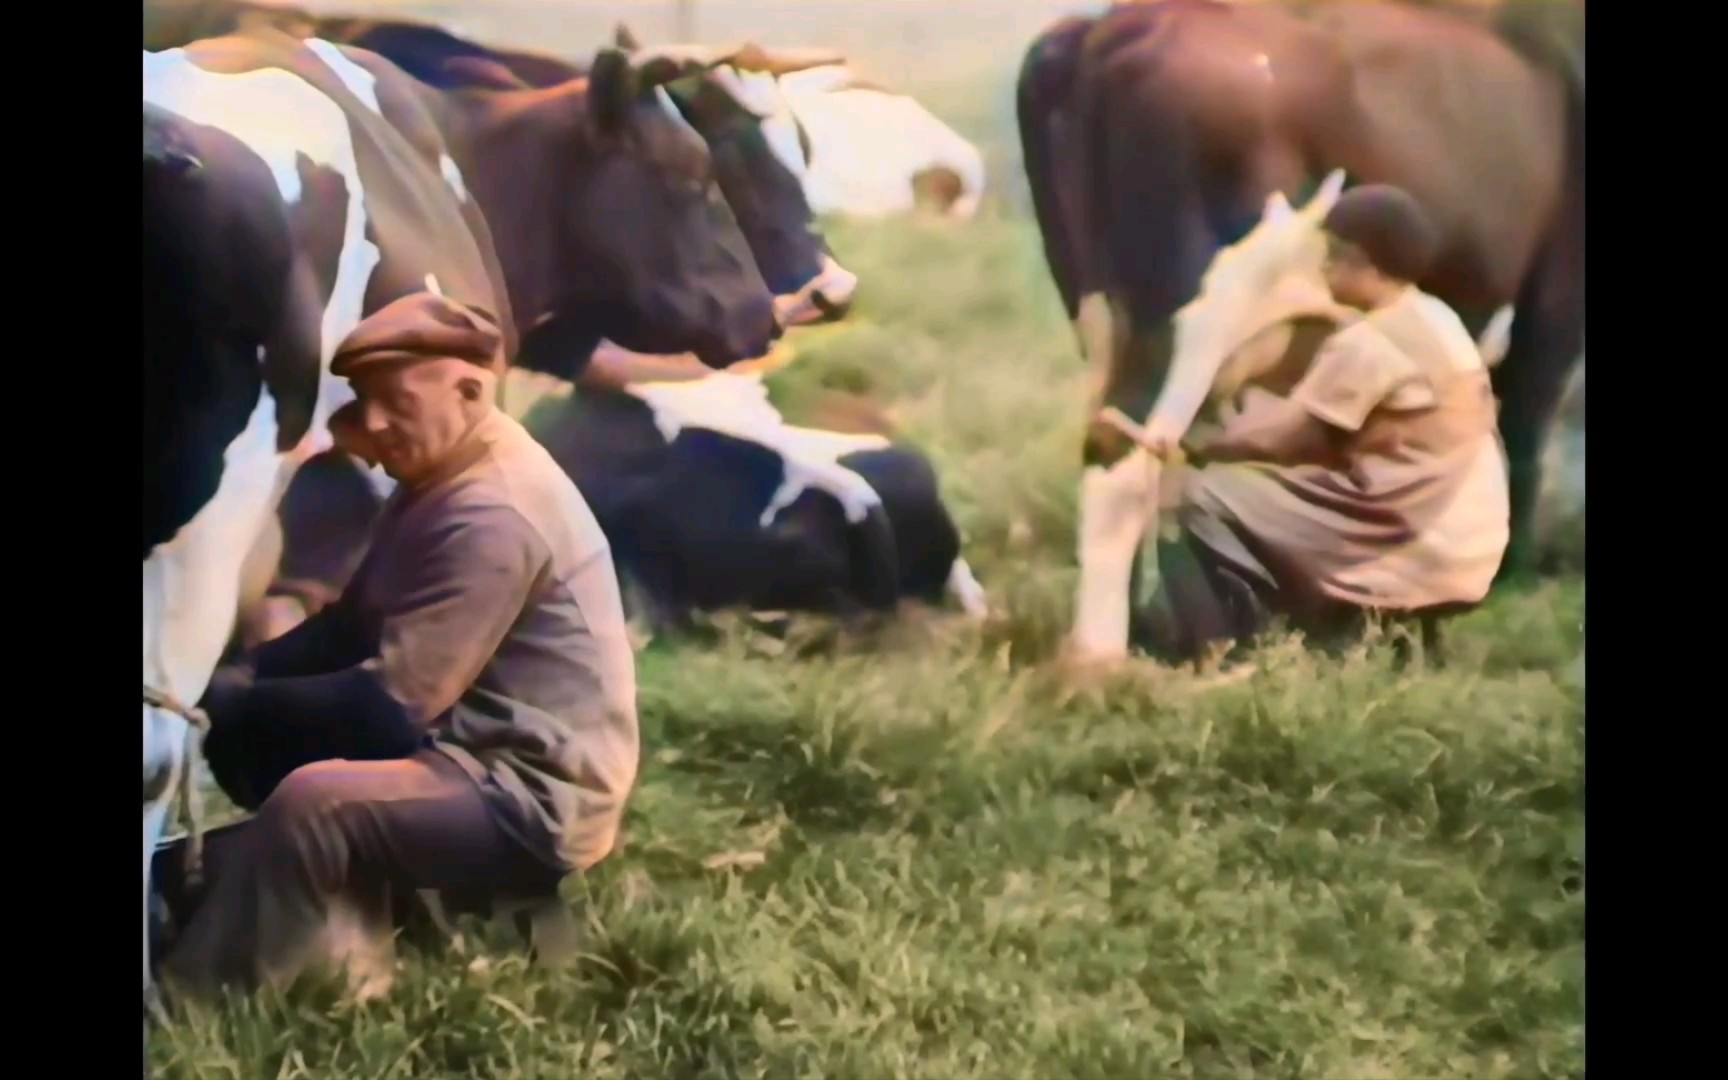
(666, 63)
(1326, 197)
(750, 56)
(1277, 207)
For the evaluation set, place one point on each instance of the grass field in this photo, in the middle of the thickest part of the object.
(930, 855)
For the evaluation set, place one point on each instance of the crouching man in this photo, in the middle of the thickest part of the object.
(462, 716)
(1378, 485)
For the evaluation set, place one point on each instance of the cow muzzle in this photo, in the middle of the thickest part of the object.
(827, 297)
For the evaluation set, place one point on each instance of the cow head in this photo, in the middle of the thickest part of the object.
(732, 98)
(1270, 276)
(656, 234)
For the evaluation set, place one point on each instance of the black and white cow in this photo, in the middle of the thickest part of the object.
(709, 499)
(293, 186)
(280, 207)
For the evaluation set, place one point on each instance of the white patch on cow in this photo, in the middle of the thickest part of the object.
(1496, 337)
(781, 133)
(191, 583)
(964, 587)
(854, 493)
(834, 282)
(754, 91)
(663, 98)
(360, 82)
(758, 93)
(866, 146)
(364, 85)
(1117, 505)
(738, 405)
(155, 821)
(1093, 327)
(452, 176)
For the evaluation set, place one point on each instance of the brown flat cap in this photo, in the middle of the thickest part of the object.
(420, 326)
(1390, 227)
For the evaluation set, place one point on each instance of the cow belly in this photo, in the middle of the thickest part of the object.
(192, 583)
(191, 595)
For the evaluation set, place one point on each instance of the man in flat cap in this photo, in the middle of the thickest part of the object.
(1379, 484)
(462, 716)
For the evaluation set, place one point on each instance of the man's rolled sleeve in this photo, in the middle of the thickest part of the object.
(1353, 373)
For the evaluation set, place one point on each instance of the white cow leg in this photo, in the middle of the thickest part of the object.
(1117, 507)
(164, 772)
(964, 587)
(155, 820)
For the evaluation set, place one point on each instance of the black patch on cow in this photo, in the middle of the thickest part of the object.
(768, 201)
(691, 532)
(293, 357)
(926, 540)
(216, 259)
(683, 518)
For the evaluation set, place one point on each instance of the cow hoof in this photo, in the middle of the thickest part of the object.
(831, 310)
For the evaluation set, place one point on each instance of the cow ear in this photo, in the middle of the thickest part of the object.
(1326, 197)
(612, 90)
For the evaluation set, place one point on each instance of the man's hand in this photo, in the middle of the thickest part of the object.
(348, 432)
(1200, 440)
(228, 746)
(225, 697)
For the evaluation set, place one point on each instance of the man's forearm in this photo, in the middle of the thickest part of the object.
(1281, 434)
(323, 643)
(348, 711)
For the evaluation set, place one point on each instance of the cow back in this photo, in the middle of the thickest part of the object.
(413, 213)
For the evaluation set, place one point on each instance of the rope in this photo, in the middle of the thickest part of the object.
(191, 795)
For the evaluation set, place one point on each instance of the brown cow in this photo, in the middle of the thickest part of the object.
(1154, 133)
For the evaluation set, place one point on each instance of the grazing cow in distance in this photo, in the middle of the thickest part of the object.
(1152, 135)
(280, 207)
(858, 148)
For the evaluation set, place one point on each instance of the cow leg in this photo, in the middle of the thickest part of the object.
(1117, 506)
(1547, 342)
(651, 596)
(966, 590)
(164, 772)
